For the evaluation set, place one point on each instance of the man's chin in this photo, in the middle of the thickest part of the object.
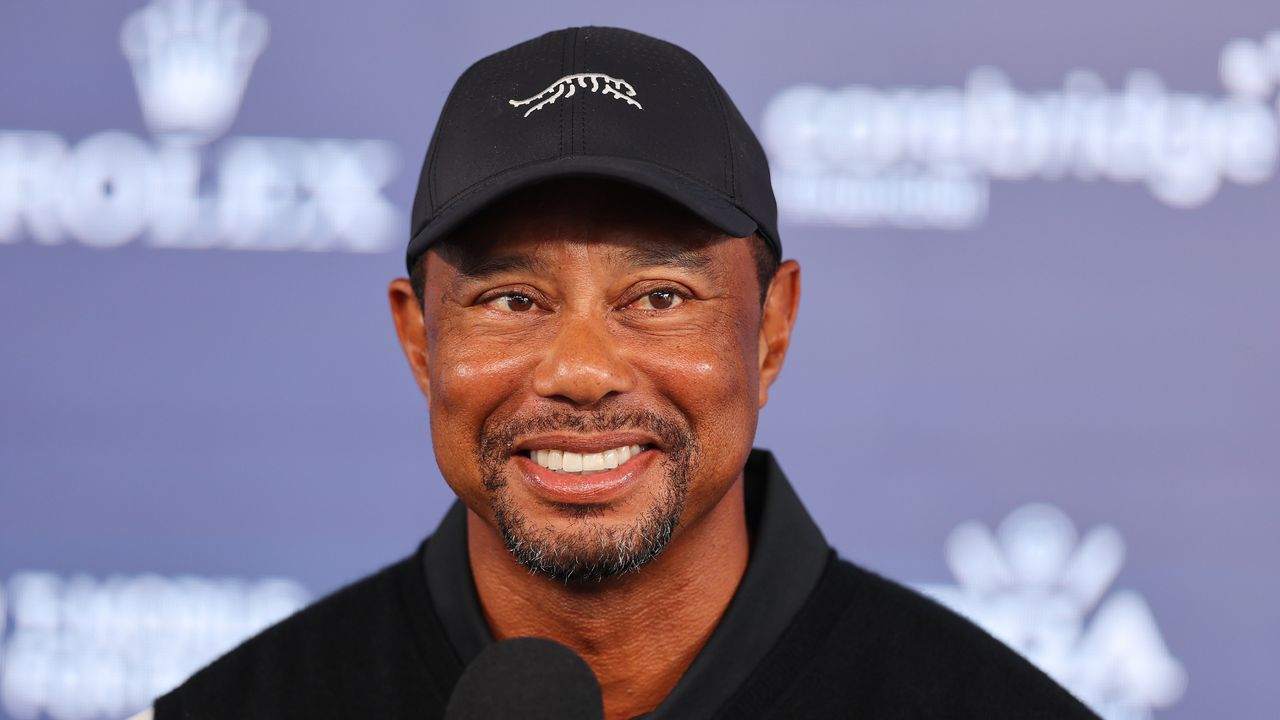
(586, 542)
(598, 522)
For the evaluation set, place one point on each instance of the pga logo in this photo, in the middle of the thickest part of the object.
(191, 61)
(1042, 588)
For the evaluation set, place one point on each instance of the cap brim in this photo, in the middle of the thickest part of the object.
(702, 201)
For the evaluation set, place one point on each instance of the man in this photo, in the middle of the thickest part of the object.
(595, 314)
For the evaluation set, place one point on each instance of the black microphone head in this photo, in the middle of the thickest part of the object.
(526, 678)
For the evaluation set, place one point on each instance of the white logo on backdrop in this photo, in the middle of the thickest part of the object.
(83, 648)
(601, 83)
(1038, 587)
(917, 157)
(191, 61)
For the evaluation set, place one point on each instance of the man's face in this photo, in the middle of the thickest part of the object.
(593, 363)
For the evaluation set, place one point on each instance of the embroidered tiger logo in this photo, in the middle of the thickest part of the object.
(566, 86)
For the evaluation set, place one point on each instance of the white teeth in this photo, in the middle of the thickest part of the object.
(572, 461)
(566, 461)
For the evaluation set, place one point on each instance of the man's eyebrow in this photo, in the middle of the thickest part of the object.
(668, 256)
(481, 267)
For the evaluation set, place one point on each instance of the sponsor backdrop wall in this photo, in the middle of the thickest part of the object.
(1034, 373)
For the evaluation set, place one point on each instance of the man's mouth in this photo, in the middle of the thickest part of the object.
(570, 462)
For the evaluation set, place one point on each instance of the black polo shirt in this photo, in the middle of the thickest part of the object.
(788, 554)
(806, 635)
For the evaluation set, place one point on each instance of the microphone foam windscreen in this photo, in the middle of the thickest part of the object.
(530, 678)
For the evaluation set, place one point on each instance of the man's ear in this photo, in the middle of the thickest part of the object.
(777, 319)
(407, 315)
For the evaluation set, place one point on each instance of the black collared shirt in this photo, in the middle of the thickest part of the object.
(788, 554)
(806, 635)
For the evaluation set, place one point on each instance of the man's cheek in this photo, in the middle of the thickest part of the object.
(718, 391)
(710, 370)
(477, 376)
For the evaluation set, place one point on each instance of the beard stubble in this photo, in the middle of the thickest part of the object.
(589, 550)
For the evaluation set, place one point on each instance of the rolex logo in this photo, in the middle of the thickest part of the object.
(190, 187)
(191, 60)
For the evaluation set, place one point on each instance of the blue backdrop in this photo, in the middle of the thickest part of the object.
(1034, 373)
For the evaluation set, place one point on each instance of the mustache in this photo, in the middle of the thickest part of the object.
(497, 440)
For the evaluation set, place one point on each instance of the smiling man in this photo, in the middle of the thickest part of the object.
(595, 313)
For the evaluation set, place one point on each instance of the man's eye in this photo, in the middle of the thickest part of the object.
(514, 302)
(659, 300)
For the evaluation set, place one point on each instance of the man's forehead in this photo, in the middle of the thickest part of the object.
(626, 225)
(479, 262)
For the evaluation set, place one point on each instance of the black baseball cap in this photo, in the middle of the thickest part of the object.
(593, 102)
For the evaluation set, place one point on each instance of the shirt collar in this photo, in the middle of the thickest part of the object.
(788, 555)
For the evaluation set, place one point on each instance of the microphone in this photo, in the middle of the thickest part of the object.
(528, 677)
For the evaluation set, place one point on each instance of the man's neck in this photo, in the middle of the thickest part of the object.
(638, 632)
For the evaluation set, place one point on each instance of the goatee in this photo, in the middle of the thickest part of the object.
(589, 551)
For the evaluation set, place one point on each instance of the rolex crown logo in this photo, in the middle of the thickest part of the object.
(191, 60)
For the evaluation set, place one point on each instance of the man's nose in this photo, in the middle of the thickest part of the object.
(583, 363)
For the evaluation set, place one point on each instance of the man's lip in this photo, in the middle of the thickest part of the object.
(585, 443)
(592, 488)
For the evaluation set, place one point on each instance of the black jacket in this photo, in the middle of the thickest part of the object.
(855, 645)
